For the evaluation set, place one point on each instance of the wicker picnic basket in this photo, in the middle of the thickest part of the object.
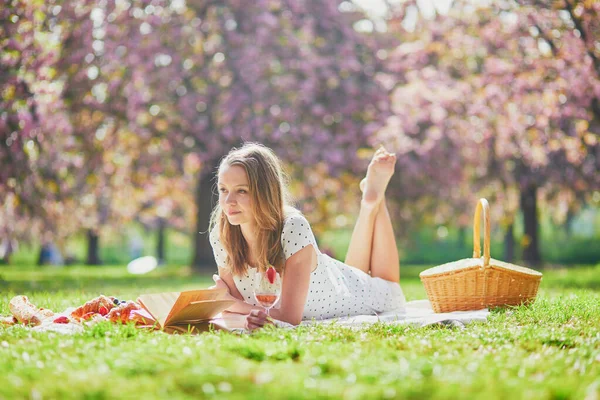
(479, 282)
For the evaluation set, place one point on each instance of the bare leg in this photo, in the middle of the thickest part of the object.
(373, 186)
(360, 249)
(385, 262)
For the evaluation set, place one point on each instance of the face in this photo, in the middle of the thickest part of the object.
(234, 196)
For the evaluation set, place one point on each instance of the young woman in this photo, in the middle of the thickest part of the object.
(253, 227)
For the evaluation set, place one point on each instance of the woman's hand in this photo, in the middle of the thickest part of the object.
(257, 319)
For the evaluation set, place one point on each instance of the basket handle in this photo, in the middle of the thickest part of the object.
(482, 204)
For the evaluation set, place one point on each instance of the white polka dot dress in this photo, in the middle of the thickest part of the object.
(335, 290)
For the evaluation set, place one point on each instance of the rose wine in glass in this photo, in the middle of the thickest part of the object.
(266, 300)
(267, 288)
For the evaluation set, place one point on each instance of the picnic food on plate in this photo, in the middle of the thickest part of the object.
(8, 321)
(26, 313)
(129, 311)
(101, 308)
(100, 305)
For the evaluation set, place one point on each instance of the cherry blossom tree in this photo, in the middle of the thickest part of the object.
(292, 75)
(145, 92)
(497, 100)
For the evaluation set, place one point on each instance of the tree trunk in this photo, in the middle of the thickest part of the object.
(531, 253)
(160, 244)
(568, 221)
(41, 256)
(5, 259)
(203, 261)
(509, 244)
(93, 255)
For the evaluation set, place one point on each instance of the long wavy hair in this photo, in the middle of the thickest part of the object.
(270, 204)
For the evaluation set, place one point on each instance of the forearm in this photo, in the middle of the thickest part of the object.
(281, 315)
(241, 307)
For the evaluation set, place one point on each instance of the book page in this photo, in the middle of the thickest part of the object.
(229, 321)
(197, 311)
(159, 305)
(187, 297)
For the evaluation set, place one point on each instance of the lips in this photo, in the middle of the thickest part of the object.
(233, 212)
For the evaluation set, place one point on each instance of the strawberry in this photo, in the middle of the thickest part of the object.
(271, 274)
(61, 320)
(102, 310)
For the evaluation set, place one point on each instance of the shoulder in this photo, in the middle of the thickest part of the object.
(295, 221)
(296, 234)
(292, 216)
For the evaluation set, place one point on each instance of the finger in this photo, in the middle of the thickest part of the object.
(255, 321)
(252, 327)
(258, 313)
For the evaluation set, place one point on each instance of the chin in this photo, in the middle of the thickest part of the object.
(234, 220)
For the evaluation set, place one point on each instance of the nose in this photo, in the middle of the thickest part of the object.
(230, 198)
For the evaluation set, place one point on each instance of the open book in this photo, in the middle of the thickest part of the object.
(189, 311)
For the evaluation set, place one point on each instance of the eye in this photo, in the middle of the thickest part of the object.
(242, 191)
(222, 190)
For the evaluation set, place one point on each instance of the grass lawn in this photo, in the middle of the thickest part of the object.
(549, 350)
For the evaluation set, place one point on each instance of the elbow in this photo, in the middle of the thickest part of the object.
(290, 319)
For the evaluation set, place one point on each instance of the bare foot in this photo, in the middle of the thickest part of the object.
(379, 173)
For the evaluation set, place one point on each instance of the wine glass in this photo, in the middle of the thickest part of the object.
(265, 292)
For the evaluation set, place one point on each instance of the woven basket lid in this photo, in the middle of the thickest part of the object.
(479, 261)
(472, 263)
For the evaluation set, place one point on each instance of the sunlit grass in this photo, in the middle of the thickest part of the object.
(546, 351)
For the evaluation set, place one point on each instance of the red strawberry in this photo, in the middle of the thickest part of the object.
(102, 310)
(61, 320)
(271, 274)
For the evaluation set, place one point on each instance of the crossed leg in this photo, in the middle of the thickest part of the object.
(373, 245)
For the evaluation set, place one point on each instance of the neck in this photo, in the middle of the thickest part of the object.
(249, 233)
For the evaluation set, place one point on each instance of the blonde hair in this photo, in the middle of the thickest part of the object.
(270, 203)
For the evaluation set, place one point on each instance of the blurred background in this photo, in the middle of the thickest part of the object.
(114, 115)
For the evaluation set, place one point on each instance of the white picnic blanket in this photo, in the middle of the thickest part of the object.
(417, 312)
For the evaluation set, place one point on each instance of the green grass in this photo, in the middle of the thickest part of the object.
(550, 350)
